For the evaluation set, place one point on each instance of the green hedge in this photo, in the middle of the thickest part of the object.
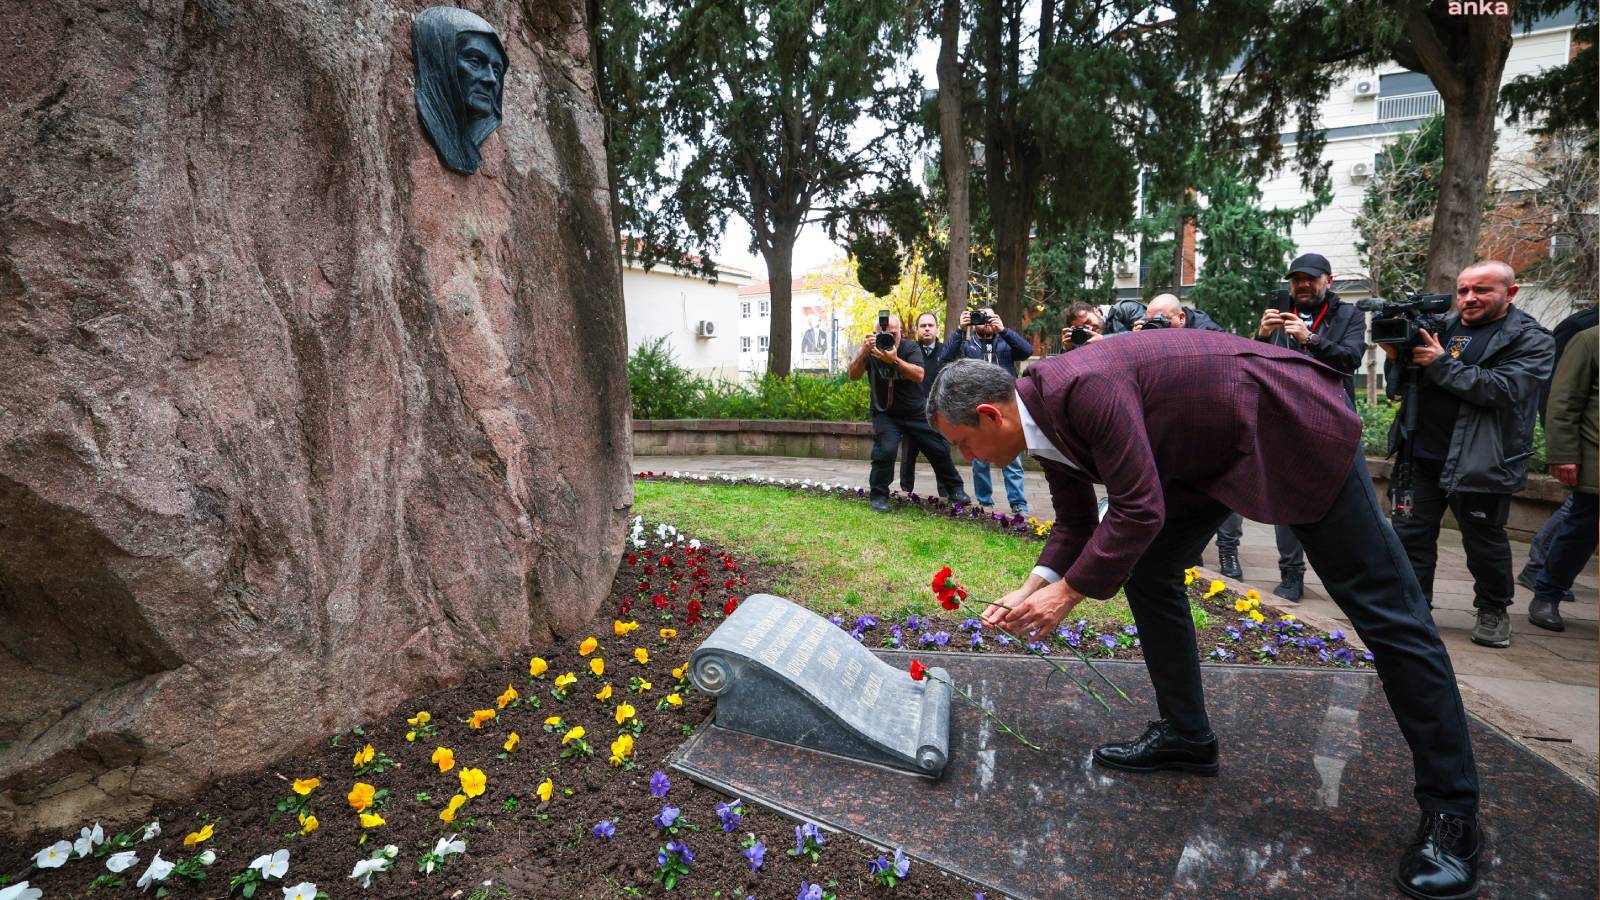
(662, 389)
(1377, 417)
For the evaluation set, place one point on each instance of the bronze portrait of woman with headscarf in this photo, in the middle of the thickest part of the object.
(461, 68)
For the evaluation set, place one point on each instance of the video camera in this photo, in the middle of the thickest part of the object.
(1155, 321)
(1399, 322)
(885, 340)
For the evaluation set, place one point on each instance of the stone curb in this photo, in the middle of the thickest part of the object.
(1563, 754)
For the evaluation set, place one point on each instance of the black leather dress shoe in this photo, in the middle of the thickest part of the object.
(1442, 861)
(1160, 747)
(1546, 614)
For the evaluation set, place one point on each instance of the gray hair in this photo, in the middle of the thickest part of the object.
(962, 385)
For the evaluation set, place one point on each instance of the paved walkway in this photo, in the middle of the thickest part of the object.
(1543, 689)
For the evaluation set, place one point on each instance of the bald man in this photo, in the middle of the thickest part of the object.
(1477, 398)
(1177, 315)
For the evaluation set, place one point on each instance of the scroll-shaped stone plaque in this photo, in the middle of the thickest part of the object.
(782, 672)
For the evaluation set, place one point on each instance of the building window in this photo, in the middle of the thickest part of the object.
(763, 343)
(744, 310)
(744, 344)
(1406, 95)
(765, 308)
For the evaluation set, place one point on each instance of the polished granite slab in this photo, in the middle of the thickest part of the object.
(1314, 798)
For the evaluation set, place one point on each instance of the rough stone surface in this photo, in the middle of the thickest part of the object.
(295, 422)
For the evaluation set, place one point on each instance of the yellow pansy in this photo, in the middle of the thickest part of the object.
(444, 758)
(304, 786)
(1189, 576)
(641, 655)
(512, 742)
(605, 692)
(597, 666)
(364, 756)
(547, 787)
(620, 628)
(472, 781)
(481, 716)
(198, 837)
(1241, 605)
(678, 672)
(565, 681)
(552, 721)
(420, 719)
(588, 646)
(308, 823)
(667, 633)
(1286, 617)
(360, 796)
(505, 698)
(1253, 595)
(1256, 616)
(621, 749)
(641, 686)
(1217, 587)
(674, 700)
(448, 814)
(625, 712)
(371, 820)
(575, 734)
(537, 667)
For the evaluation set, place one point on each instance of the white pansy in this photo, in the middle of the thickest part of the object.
(389, 850)
(88, 839)
(54, 856)
(694, 544)
(208, 857)
(272, 865)
(152, 831)
(20, 891)
(158, 871)
(117, 862)
(367, 869)
(305, 890)
(449, 845)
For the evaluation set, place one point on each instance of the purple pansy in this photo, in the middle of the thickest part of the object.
(757, 854)
(666, 818)
(729, 814)
(659, 784)
(604, 829)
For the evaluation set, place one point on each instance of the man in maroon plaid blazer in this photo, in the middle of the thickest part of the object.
(1181, 427)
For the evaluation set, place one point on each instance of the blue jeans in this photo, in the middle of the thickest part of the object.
(983, 489)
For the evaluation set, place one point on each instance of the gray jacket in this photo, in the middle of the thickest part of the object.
(1493, 436)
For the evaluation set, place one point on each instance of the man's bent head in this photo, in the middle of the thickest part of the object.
(974, 405)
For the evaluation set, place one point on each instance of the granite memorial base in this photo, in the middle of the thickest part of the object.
(1314, 798)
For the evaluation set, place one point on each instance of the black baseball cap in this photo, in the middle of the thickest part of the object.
(1311, 264)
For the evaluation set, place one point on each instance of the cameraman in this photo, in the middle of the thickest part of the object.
(1169, 309)
(930, 349)
(998, 345)
(897, 409)
(1314, 321)
(1477, 395)
(1093, 325)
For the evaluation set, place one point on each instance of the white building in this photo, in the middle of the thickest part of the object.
(698, 318)
(1362, 116)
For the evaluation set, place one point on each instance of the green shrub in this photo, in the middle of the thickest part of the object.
(662, 389)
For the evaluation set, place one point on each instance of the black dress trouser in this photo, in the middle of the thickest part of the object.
(887, 432)
(1366, 572)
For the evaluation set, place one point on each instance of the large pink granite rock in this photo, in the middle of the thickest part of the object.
(295, 422)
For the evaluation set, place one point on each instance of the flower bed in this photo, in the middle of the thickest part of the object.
(543, 776)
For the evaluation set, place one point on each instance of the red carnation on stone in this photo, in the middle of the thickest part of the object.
(918, 670)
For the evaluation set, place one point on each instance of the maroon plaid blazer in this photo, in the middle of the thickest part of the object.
(1169, 419)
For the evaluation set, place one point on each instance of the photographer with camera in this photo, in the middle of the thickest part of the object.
(1167, 311)
(1084, 323)
(898, 410)
(1310, 318)
(1464, 431)
(991, 341)
(931, 349)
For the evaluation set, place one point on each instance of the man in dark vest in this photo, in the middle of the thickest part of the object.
(927, 340)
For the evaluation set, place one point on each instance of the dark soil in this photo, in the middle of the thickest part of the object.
(521, 847)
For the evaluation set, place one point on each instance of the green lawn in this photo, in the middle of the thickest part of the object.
(840, 556)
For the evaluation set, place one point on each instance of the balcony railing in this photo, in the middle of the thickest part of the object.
(1408, 106)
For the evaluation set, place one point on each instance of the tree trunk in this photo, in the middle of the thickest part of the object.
(780, 274)
(1465, 64)
(953, 147)
(1012, 222)
(1177, 248)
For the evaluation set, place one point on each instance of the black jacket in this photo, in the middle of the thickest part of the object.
(1010, 348)
(1340, 340)
(1199, 321)
(934, 360)
(1493, 435)
(1123, 315)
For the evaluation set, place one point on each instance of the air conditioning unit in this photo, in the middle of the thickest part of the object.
(1360, 171)
(705, 328)
(1366, 89)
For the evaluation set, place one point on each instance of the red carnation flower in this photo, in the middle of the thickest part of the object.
(918, 670)
(730, 606)
(939, 579)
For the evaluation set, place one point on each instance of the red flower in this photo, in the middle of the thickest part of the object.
(947, 599)
(918, 670)
(948, 591)
(939, 579)
(730, 606)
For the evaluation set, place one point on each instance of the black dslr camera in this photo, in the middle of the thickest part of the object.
(884, 338)
(1398, 322)
(979, 317)
(1156, 321)
(1080, 335)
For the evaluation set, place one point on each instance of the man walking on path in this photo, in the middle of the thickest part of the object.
(1572, 445)
(1182, 427)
